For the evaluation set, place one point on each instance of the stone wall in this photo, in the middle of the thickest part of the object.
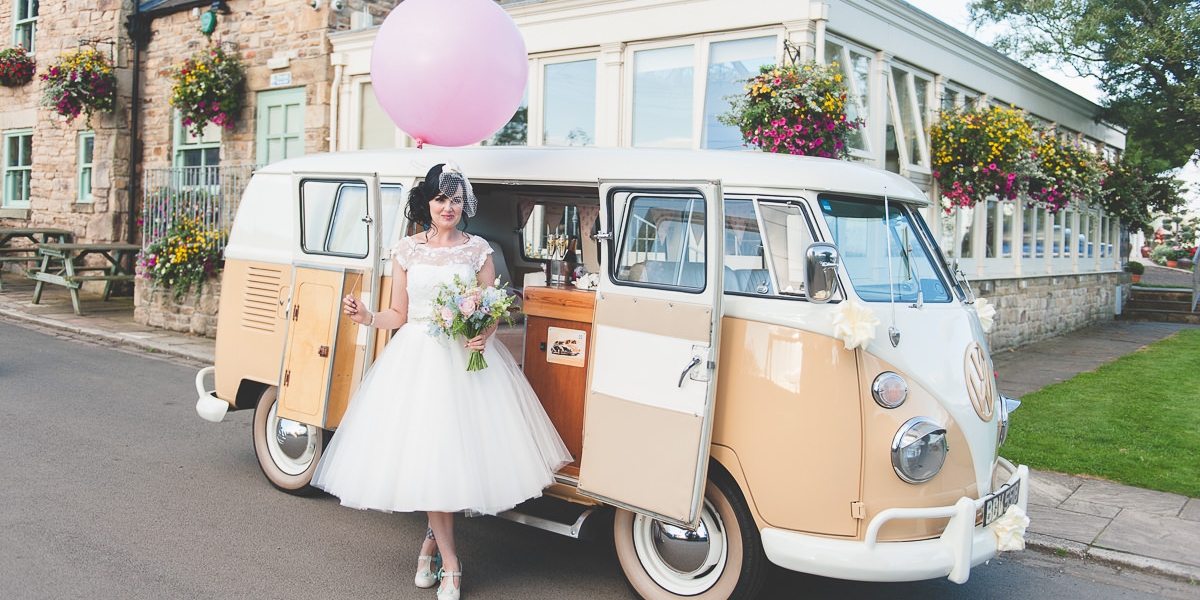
(194, 312)
(1038, 308)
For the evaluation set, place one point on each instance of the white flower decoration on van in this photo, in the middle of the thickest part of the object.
(986, 313)
(1010, 529)
(854, 323)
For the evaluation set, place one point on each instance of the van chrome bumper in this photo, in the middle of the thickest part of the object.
(961, 546)
(208, 405)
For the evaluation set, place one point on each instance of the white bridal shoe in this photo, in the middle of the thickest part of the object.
(451, 593)
(427, 572)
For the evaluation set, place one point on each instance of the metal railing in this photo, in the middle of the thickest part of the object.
(209, 195)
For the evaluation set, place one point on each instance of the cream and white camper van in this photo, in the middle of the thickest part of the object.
(704, 385)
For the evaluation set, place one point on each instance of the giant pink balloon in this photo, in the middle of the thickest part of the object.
(449, 72)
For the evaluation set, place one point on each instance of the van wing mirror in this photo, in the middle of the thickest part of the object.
(820, 271)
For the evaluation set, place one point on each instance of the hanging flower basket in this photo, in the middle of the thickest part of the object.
(16, 67)
(185, 258)
(80, 82)
(1067, 174)
(794, 109)
(982, 153)
(208, 88)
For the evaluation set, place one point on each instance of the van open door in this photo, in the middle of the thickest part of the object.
(325, 355)
(652, 379)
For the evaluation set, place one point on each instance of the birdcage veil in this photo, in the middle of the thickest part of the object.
(448, 179)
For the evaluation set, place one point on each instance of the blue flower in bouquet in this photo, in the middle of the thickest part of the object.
(467, 309)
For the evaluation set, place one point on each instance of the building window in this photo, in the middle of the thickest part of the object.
(201, 152)
(908, 101)
(375, 130)
(730, 64)
(25, 23)
(569, 104)
(662, 96)
(84, 151)
(516, 131)
(855, 64)
(18, 167)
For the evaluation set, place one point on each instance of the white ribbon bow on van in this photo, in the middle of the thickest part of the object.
(854, 323)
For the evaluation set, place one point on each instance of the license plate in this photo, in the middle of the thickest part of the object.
(994, 507)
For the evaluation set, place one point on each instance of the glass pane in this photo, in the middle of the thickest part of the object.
(348, 232)
(570, 104)
(1057, 235)
(891, 148)
(1007, 210)
(966, 218)
(833, 53)
(391, 197)
(745, 270)
(376, 129)
(12, 151)
(788, 236)
(212, 157)
(860, 72)
(908, 121)
(730, 64)
(516, 131)
(88, 149)
(26, 150)
(662, 97)
(547, 221)
(663, 242)
(85, 184)
(922, 87)
(191, 158)
(885, 257)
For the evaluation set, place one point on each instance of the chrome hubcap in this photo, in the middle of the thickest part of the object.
(682, 561)
(292, 445)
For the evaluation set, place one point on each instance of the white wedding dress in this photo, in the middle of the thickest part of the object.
(424, 434)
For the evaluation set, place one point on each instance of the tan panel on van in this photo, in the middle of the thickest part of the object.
(670, 319)
(316, 304)
(615, 468)
(347, 356)
(788, 406)
(252, 329)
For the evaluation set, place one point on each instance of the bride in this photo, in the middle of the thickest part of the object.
(422, 433)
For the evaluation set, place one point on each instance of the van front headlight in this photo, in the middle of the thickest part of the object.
(919, 450)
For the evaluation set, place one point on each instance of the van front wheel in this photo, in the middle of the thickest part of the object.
(722, 558)
(287, 451)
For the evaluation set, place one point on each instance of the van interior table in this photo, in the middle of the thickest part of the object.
(61, 264)
(27, 253)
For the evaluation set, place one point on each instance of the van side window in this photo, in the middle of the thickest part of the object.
(662, 242)
(764, 251)
(391, 198)
(332, 217)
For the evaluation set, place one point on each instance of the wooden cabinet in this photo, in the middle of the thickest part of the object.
(556, 358)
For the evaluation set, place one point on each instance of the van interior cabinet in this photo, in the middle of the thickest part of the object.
(558, 330)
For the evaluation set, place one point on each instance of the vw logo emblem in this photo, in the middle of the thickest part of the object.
(979, 381)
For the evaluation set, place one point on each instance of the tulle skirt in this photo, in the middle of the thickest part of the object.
(423, 434)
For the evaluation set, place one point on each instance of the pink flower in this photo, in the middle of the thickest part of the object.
(466, 307)
(447, 314)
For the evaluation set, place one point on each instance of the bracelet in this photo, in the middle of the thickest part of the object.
(372, 323)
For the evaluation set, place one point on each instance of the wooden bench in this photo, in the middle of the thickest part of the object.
(61, 264)
(27, 254)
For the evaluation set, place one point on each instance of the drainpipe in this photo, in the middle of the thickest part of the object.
(139, 30)
(339, 66)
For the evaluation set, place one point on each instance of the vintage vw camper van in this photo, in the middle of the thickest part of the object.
(713, 408)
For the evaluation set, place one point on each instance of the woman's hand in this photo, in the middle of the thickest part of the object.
(479, 342)
(355, 310)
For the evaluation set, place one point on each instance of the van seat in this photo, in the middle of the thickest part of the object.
(746, 280)
(664, 272)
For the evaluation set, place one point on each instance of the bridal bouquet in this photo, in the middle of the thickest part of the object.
(464, 308)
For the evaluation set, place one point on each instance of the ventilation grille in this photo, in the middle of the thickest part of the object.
(260, 305)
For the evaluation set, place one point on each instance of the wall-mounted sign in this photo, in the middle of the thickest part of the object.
(566, 346)
(281, 79)
(208, 22)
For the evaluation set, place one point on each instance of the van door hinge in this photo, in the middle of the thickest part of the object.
(858, 510)
(287, 377)
(296, 312)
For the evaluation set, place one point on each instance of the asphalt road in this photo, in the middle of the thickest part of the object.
(112, 487)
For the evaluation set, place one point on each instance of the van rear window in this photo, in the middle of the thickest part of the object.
(333, 218)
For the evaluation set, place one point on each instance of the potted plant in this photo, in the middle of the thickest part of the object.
(1136, 269)
(16, 67)
(80, 82)
(794, 109)
(208, 89)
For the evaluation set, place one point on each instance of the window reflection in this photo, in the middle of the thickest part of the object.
(730, 64)
(569, 104)
(662, 97)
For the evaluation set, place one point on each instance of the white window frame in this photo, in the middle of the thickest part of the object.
(29, 23)
(872, 112)
(182, 141)
(922, 121)
(700, 59)
(536, 112)
(84, 196)
(8, 201)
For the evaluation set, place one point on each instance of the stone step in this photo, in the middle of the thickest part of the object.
(1160, 294)
(1172, 305)
(1159, 316)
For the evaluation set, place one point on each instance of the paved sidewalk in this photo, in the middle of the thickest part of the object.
(1091, 518)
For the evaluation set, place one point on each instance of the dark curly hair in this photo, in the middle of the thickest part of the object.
(417, 208)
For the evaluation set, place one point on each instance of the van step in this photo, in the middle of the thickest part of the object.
(553, 515)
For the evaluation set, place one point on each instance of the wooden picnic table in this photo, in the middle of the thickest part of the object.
(28, 253)
(61, 264)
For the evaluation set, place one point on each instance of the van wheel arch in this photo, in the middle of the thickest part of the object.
(736, 565)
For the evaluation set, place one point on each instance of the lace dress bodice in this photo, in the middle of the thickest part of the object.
(429, 266)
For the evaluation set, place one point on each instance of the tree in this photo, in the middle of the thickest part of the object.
(1144, 52)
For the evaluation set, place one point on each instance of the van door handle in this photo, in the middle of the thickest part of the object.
(695, 361)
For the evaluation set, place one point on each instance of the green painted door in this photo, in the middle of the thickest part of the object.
(280, 132)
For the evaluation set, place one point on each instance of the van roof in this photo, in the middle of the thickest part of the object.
(502, 164)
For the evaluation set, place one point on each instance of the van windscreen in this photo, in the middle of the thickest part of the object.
(867, 240)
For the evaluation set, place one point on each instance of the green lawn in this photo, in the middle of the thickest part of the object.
(1135, 420)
